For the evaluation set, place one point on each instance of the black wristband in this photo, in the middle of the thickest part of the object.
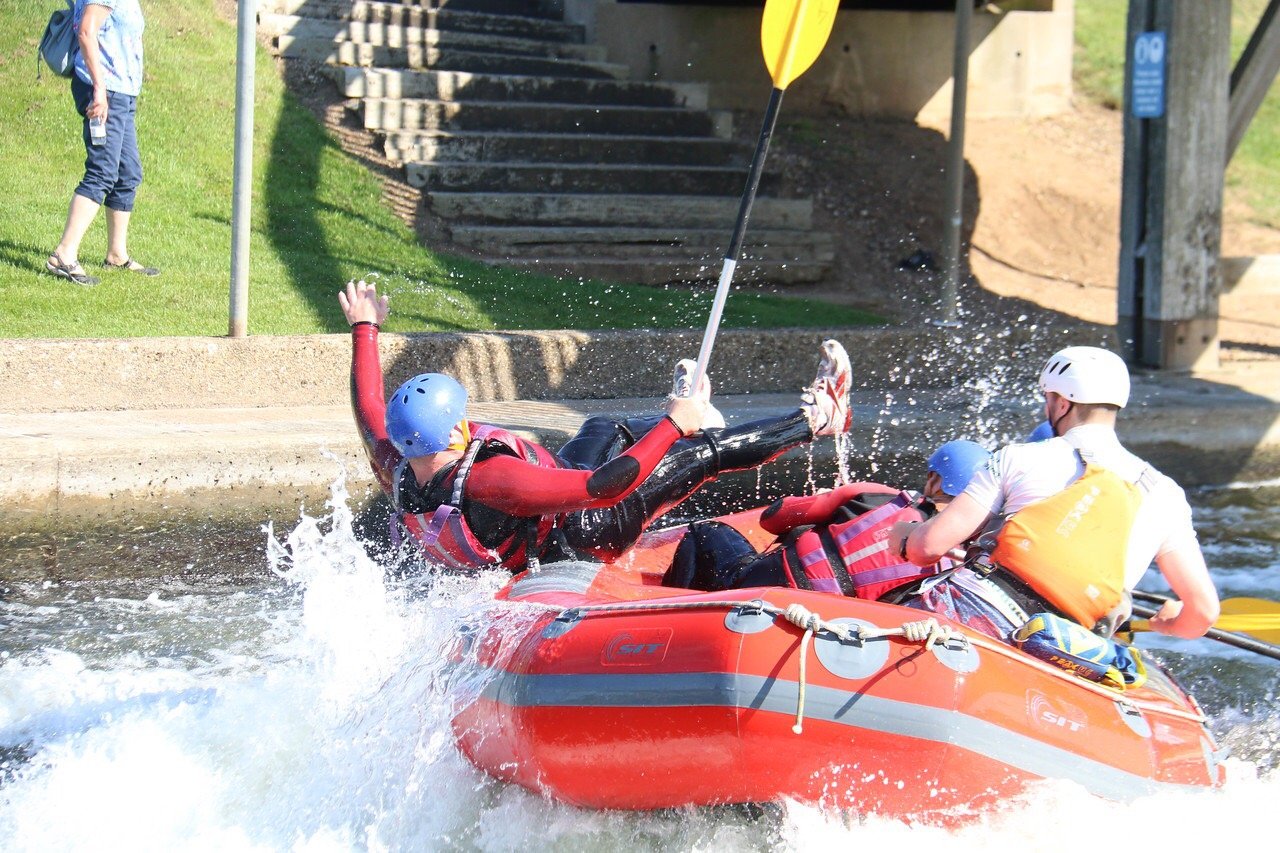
(365, 323)
(902, 550)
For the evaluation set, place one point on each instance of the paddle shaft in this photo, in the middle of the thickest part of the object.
(1230, 639)
(739, 233)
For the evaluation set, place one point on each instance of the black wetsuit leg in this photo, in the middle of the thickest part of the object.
(765, 570)
(689, 464)
(713, 556)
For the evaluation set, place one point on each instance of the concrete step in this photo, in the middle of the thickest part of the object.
(537, 10)
(583, 178)
(417, 16)
(396, 36)
(760, 242)
(436, 146)
(660, 271)
(406, 114)
(467, 86)
(443, 58)
(631, 242)
(656, 211)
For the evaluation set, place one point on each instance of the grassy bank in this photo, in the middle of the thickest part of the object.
(1254, 172)
(318, 219)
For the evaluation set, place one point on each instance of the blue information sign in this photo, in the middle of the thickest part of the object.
(1146, 96)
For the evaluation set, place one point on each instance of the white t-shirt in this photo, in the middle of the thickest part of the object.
(1021, 474)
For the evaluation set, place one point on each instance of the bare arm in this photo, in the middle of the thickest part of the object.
(1197, 607)
(930, 541)
(94, 17)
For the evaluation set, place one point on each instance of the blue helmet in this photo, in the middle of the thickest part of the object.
(956, 462)
(1040, 433)
(422, 413)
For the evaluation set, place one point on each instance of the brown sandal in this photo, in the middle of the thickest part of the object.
(71, 272)
(132, 266)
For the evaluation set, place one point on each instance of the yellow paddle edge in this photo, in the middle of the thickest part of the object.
(792, 34)
(1253, 617)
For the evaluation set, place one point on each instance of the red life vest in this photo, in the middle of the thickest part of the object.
(852, 557)
(445, 536)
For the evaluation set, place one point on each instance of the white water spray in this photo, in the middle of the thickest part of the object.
(313, 711)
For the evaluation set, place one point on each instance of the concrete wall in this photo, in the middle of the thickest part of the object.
(882, 63)
(42, 375)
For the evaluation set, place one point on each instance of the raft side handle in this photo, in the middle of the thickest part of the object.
(562, 623)
(1133, 717)
(569, 614)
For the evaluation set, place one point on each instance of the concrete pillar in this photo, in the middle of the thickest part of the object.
(1171, 206)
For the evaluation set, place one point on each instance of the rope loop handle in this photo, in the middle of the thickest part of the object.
(927, 631)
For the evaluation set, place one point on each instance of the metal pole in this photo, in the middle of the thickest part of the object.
(242, 185)
(954, 217)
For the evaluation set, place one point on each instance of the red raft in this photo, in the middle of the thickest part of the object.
(629, 695)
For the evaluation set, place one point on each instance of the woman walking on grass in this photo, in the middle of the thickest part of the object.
(105, 87)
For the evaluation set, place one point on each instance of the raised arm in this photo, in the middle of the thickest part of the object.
(365, 310)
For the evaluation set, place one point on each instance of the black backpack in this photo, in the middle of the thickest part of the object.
(58, 45)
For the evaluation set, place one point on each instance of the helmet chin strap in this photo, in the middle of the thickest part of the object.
(1054, 424)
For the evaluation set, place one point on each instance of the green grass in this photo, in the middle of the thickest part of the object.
(318, 219)
(1254, 172)
(1099, 50)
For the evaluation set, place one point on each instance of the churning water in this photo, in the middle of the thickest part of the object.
(281, 690)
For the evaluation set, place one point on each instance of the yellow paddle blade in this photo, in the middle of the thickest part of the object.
(1264, 626)
(792, 35)
(1250, 605)
(1256, 617)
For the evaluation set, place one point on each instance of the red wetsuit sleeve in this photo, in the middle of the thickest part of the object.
(793, 512)
(515, 487)
(368, 403)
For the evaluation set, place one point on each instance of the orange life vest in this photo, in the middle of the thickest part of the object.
(1071, 547)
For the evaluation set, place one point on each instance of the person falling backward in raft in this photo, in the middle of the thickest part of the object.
(476, 496)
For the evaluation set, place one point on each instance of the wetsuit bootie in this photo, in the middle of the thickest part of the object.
(826, 401)
(681, 383)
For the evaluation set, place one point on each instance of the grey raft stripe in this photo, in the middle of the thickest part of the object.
(727, 690)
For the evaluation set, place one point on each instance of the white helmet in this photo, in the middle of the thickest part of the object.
(1087, 375)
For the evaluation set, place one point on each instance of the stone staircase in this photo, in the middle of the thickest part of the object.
(533, 151)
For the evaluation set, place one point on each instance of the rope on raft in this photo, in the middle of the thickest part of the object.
(929, 632)
(926, 631)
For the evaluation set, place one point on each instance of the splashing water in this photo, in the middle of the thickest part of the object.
(310, 709)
